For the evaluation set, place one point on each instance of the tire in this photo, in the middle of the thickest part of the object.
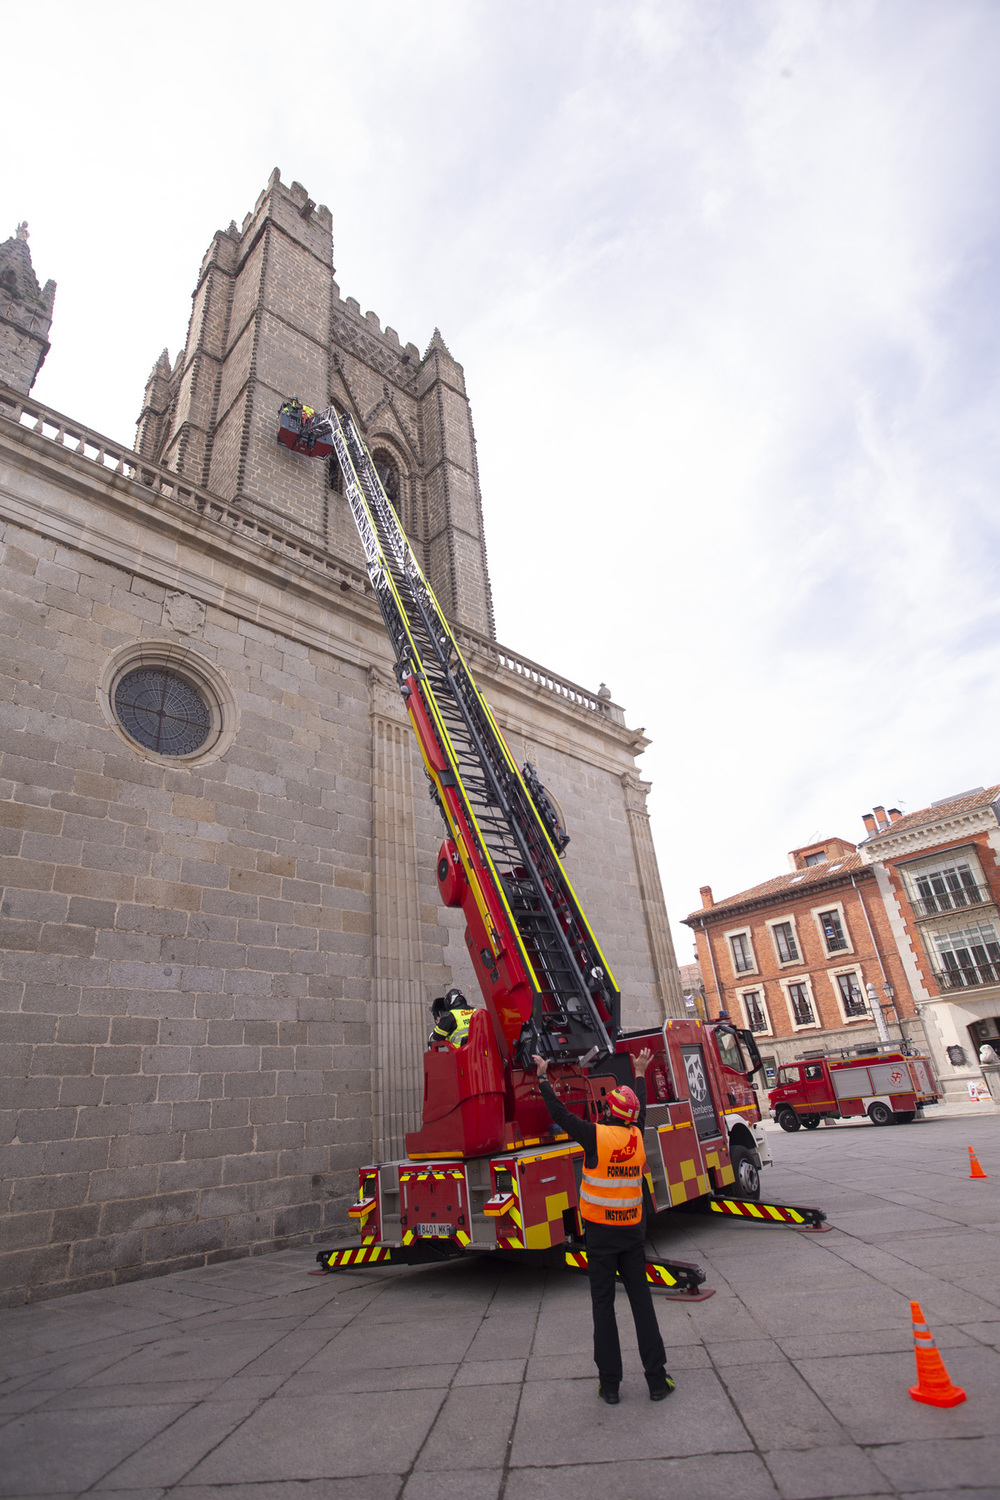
(746, 1165)
(811, 1122)
(905, 1116)
(789, 1120)
(880, 1114)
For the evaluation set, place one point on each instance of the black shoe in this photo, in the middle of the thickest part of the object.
(661, 1392)
(609, 1393)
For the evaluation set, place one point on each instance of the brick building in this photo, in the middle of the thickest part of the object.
(803, 959)
(220, 922)
(939, 878)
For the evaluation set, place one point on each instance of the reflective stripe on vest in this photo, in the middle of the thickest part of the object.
(461, 1032)
(612, 1191)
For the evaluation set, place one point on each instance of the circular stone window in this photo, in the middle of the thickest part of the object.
(168, 702)
(162, 712)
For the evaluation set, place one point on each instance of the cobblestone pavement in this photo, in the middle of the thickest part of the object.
(251, 1381)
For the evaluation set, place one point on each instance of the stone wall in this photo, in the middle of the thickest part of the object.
(216, 975)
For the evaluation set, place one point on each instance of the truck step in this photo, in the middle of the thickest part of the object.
(805, 1220)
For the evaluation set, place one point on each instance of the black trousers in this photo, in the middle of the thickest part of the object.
(622, 1251)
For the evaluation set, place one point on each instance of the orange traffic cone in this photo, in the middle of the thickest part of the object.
(977, 1170)
(933, 1385)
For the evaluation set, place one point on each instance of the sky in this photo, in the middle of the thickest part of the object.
(722, 275)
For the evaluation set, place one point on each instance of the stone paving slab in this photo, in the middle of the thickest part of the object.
(253, 1381)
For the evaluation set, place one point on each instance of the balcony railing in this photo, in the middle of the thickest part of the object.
(957, 900)
(968, 976)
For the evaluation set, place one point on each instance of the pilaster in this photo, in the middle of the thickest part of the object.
(667, 984)
(400, 1010)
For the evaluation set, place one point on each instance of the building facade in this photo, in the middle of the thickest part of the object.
(939, 879)
(807, 961)
(220, 921)
(894, 940)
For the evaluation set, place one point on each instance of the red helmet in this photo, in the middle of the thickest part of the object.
(623, 1105)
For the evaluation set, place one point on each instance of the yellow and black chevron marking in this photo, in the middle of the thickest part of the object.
(768, 1213)
(367, 1255)
(677, 1278)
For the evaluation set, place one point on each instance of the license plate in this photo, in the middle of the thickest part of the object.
(431, 1231)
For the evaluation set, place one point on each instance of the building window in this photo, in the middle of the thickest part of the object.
(851, 997)
(833, 931)
(742, 954)
(168, 702)
(968, 956)
(387, 470)
(802, 1009)
(818, 858)
(948, 888)
(753, 1004)
(784, 941)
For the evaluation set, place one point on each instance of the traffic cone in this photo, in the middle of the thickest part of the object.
(933, 1385)
(977, 1170)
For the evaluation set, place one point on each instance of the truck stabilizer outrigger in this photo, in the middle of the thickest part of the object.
(487, 1171)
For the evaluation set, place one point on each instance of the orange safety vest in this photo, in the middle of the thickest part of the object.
(612, 1191)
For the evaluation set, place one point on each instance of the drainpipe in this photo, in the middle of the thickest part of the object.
(715, 972)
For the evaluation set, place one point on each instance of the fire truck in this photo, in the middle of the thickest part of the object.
(486, 1170)
(888, 1087)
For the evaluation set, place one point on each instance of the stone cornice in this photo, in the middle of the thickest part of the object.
(290, 587)
(944, 830)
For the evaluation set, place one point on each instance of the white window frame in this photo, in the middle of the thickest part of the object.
(838, 907)
(756, 989)
(806, 980)
(853, 969)
(743, 932)
(771, 924)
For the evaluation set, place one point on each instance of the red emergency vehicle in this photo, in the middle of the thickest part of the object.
(486, 1170)
(888, 1087)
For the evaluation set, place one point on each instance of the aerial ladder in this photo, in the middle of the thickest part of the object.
(486, 1157)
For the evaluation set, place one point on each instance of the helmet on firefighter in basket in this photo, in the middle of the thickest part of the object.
(622, 1106)
(454, 1000)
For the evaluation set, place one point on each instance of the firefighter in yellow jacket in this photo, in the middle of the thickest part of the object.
(613, 1212)
(452, 1014)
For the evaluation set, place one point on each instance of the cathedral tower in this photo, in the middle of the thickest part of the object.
(269, 321)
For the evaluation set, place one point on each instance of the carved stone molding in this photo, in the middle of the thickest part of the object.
(184, 613)
(385, 698)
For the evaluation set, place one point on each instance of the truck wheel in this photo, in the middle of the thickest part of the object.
(746, 1165)
(789, 1120)
(811, 1122)
(906, 1116)
(880, 1114)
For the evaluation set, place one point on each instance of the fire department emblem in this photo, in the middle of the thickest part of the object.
(697, 1082)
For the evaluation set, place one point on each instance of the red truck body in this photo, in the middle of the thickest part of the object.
(888, 1087)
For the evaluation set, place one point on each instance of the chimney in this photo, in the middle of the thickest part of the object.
(869, 822)
(894, 815)
(881, 817)
(707, 899)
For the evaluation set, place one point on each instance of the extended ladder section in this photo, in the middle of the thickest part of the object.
(500, 837)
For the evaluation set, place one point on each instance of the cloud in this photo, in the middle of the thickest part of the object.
(723, 280)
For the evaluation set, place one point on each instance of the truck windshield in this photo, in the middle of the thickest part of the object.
(730, 1052)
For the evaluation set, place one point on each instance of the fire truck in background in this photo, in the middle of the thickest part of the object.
(486, 1170)
(889, 1087)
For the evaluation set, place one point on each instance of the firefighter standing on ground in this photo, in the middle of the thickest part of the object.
(611, 1203)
